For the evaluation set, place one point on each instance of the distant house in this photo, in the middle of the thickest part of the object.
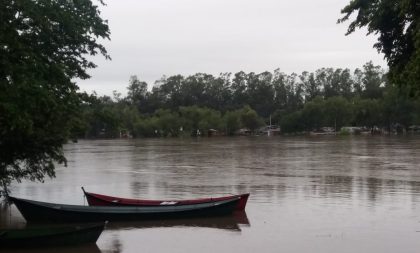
(364, 130)
(270, 130)
(125, 134)
(212, 132)
(323, 131)
(351, 130)
(243, 131)
(415, 129)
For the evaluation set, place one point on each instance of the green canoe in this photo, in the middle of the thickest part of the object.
(36, 211)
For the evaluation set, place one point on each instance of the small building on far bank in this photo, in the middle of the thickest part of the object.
(270, 130)
(323, 131)
(212, 132)
(414, 129)
(243, 131)
(355, 130)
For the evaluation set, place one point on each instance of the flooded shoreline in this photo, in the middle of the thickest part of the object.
(335, 194)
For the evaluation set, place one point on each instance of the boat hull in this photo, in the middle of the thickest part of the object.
(50, 236)
(35, 211)
(95, 199)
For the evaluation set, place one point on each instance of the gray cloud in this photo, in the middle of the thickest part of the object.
(166, 37)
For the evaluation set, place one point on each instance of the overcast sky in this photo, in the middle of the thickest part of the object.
(152, 38)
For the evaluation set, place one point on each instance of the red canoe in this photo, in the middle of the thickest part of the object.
(104, 200)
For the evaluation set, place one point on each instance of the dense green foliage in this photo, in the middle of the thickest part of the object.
(180, 105)
(397, 24)
(43, 45)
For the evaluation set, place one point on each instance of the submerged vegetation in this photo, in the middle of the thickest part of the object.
(203, 103)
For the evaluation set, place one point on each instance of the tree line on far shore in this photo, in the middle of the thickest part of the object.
(179, 105)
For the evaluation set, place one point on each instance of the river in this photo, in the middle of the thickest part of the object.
(308, 194)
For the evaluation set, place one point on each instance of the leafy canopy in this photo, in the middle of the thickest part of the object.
(43, 46)
(397, 23)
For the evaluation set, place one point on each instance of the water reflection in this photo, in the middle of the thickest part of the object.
(10, 217)
(89, 248)
(371, 189)
(113, 245)
(226, 222)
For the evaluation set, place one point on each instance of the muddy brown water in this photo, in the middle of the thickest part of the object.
(308, 194)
